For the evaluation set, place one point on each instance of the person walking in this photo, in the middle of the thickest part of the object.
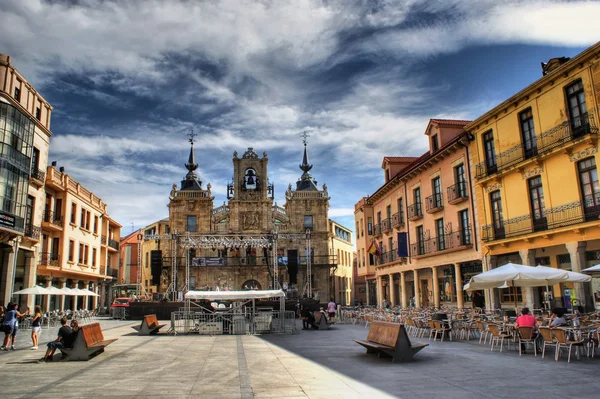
(10, 325)
(331, 309)
(36, 326)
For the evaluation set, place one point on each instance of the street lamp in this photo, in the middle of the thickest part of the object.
(308, 266)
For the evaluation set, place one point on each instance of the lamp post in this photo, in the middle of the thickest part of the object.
(13, 274)
(140, 239)
(308, 266)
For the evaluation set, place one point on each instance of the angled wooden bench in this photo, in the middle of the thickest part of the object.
(390, 339)
(88, 343)
(320, 321)
(149, 325)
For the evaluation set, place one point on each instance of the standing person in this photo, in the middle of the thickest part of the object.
(64, 340)
(331, 309)
(36, 326)
(10, 326)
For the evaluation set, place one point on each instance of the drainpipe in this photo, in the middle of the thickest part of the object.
(471, 193)
(407, 226)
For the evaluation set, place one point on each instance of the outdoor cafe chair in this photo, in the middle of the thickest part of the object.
(594, 342)
(549, 340)
(442, 328)
(498, 336)
(483, 331)
(433, 331)
(562, 342)
(526, 337)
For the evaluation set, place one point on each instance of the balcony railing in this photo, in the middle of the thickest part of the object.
(52, 217)
(377, 230)
(387, 257)
(32, 231)
(38, 174)
(113, 244)
(434, 203)
(561, 216)
(457, 193)
(398, 220)
(542, 143)
(49, 259)
(386, 225)
(114, 273)
(455, 240)
(414, 211)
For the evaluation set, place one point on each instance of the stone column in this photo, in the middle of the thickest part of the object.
(47, 284)
(29, 279)
(436, 288)
(528, 259)
(492, 295)
(417, 289)
(76, 297)
(460, 303)
(403, 290)
(95, 298)
(582, 290)
(9, 265)
(379, 291)
(392, 290)
(62, 283)
(368, 292)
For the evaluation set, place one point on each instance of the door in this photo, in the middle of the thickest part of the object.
(577, 108)
(528, 133)
(590, 188)
(424, 293)
(536, 198)
(497, 221)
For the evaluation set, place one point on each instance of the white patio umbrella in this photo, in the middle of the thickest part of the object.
(79, 292)
(89, 292)
(592, 270)
(35, 290)
(52, 290)
(69, 291)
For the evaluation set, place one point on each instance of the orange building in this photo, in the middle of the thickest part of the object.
(416, 242)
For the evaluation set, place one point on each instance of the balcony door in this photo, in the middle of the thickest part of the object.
(577, 108)
(461, 181)
(536, 200)
(590, 188)
(497, 221)
(417, 199)
(490, 153)
(528, 133)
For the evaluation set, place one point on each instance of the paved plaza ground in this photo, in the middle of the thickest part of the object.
(313, 364)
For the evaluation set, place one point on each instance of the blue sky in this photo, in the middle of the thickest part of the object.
(129, 79)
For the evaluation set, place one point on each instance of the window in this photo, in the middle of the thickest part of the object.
(86, 251)
(379, 219)
(391, 247)
(35, 160)
(439, 227)
(370, 226)
(435, 145)
(536, 200)
(8, 203)
(420, 240)
(465, 227)
(490, 152)
(93, 256)
(528, 133)
(417, 199)
(577, 107)
(85, 219)
(73, 212)
(496, 206)
(590, 188)
(38, 113)
(71, 250)
(389, 211)
(95, 224)
(437, 192)
(460, 181)
(29, 211)
(400, 210)
(81, 251)
(308, 222)
(17, 93)
(191, 224)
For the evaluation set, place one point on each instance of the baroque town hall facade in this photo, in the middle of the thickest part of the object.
(300, 224)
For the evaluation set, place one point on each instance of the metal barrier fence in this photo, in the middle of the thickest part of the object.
(234, 323)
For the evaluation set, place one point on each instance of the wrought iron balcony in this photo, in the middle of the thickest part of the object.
(113, 244)
(414, 211)
(452, 241)
(377, 230)
(434, 203)
(38, 174)
(49, 259)
(558, 136)
(387, 257)
(386, 225)
(32, 231)
(114, 273)
(398, 220)
(52, 218)
(457, 193)
(561, 216)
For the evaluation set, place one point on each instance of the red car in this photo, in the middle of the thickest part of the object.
(121, 303)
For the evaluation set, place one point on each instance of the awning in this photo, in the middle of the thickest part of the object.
(232, 295)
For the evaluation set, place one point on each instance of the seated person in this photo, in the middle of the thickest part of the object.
(64, 340)
(557, 319)
(307, 318)
(526, 319)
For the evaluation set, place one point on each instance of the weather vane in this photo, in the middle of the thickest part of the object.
(304, 136)
(192, 135)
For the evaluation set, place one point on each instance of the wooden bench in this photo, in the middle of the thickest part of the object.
(149, 325)
(320, 321)
(88, 343)
(390, 339)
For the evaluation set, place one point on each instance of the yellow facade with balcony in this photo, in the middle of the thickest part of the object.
(535, 158)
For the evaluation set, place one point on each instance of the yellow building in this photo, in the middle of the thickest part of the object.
(341, 275)
(80, 242)
(536, 182)
(153, 253)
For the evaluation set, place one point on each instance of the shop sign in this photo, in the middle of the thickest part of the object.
(7, 220)
(215, 261)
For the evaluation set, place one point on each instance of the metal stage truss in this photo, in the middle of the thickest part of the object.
(229, 241)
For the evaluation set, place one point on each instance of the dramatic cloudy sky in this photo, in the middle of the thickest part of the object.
(128, 80)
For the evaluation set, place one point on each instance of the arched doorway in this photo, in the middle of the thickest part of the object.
(251, 285)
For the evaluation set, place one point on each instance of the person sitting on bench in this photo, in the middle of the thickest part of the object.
(64, 340)
(307, 318)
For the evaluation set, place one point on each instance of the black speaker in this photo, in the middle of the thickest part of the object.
(293, 266)
(156, 266)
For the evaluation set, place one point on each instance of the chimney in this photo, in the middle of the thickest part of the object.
(62, 169)
(54, 163)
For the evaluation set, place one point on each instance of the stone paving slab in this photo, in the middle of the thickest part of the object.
(311, 364)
